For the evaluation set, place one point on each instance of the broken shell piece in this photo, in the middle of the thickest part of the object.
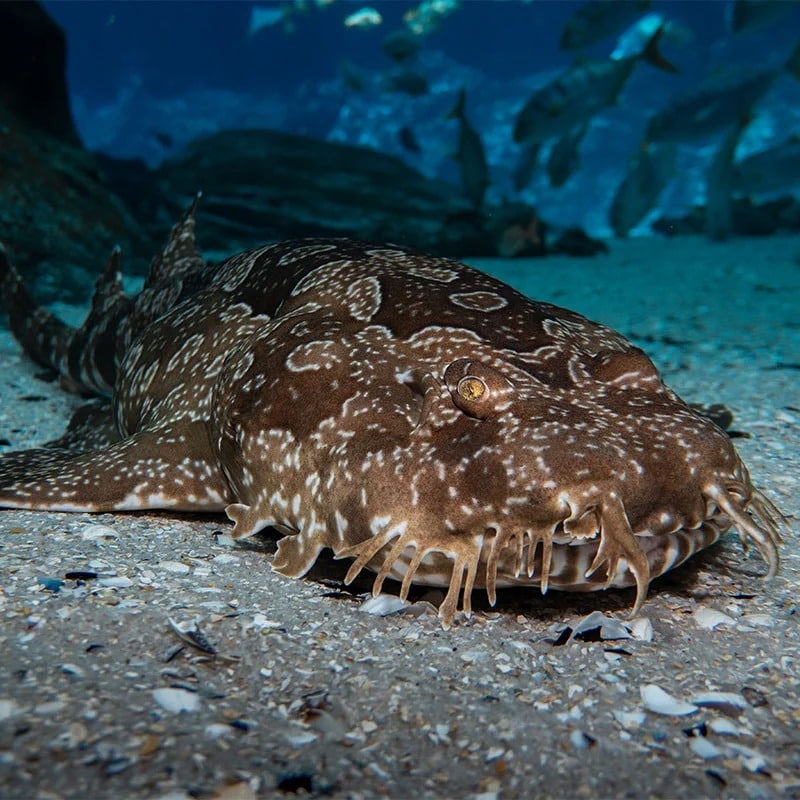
(709, 618)
(493, 754)
(298, 738)
(613, 629)
(176, 700)
(581, 741)
(98, 533)
(630, 719)
(704, 748)
(658, 701)
(383, 605)
(727, 702)
(725, 727)
(755, 697)
(752, 760)
(190, 633)
(641, 628)
(766, 620)
(217, 730)
(115, 582)
(8, 708)
(50, 584)
(594, 627)
(173, 566)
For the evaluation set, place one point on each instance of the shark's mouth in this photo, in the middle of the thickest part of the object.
(612, 555)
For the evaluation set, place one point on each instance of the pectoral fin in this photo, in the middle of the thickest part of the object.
(171, 467)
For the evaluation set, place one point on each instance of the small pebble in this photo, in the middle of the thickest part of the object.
(51, 584)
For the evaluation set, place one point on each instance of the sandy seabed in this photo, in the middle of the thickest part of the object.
(101, 698)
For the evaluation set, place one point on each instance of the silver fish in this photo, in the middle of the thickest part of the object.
(648, 174)
(719, 184)
(748, 15)
(717, 105)
(470, 154)
(578, 94)
(598, 19)
(775, 169)
(564, 158)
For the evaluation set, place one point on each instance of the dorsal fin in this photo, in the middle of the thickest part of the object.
(180, 255)
(92, 357)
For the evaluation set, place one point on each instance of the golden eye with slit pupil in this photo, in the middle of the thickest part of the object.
(472, 388)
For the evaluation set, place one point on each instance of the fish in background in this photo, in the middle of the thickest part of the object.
(262, 17)
(748, 15)
(366, 17)
(426, 17)
(649, 172)
(716, 105)
(632, 40)
(597, 20)
(526, 166)
(283, 14)
(406, 81)
(401, 45)
(470, 154)
(719, 184)
(164, 139)
(564, 158)
(352, 77)
(579, 93)
(517, 230)
(775, 169)
(408, 140)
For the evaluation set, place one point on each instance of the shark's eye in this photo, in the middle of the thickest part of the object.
(477, 389)
(472, 388)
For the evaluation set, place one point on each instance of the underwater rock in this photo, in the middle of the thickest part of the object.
(576, 242)
(33, 85)
(56, 211)
(261, 185)
(749, 218)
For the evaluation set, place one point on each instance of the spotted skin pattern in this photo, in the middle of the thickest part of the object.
(408, 412)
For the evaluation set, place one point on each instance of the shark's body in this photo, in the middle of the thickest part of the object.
(406, 411)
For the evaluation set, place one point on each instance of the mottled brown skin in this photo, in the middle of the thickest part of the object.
(405, 411)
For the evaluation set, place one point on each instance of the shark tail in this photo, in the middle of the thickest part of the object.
(84, 357)
(43, 336)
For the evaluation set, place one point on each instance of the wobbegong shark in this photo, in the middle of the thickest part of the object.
(407, 412)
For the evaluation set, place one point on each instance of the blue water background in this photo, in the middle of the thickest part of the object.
(145, 78)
